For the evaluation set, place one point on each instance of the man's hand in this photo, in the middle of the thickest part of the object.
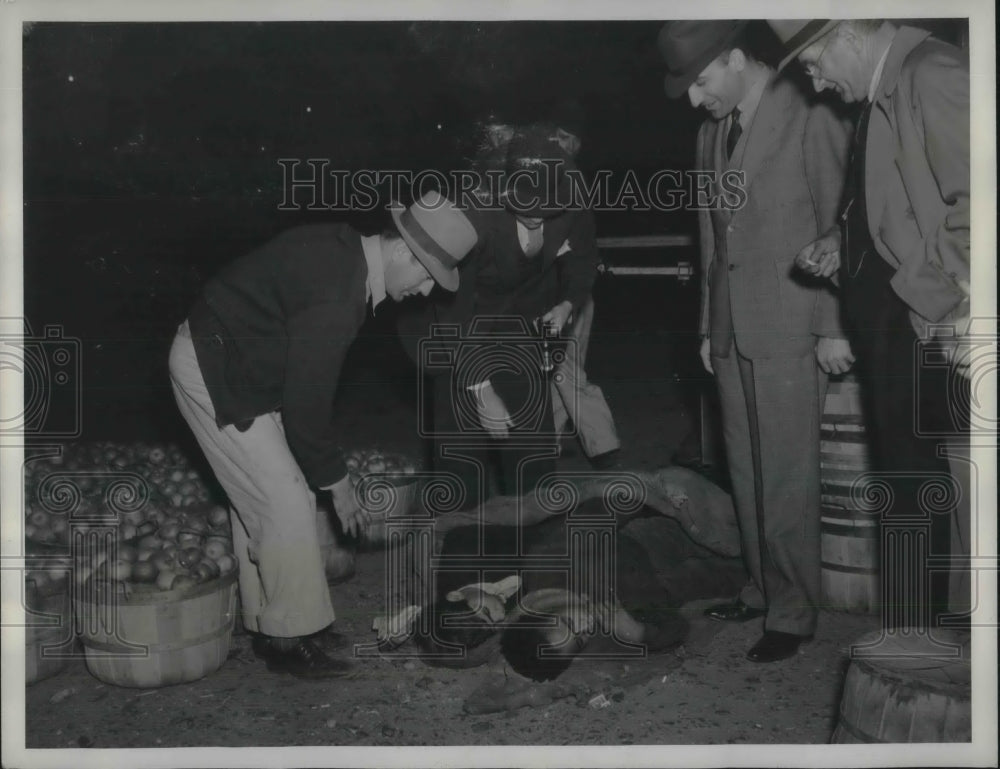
(353, 517)
(834, 355)
(558, 316)
(821, 258)
(493, 415)
(706, 355)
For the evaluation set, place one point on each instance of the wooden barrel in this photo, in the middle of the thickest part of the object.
(849, 536)
(48, 628)
(153, 638)
(907, 695)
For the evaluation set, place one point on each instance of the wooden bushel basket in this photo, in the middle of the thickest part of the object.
(163, 637)
(908, 696)
(849, 537)
(47, 630)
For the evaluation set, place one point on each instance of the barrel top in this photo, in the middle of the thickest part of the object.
(941, 660)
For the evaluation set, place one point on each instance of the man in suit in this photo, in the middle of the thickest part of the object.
(254, 371)
(770, 335)
(903, 257)
(535, 260)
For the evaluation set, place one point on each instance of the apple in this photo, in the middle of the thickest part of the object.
(165, 579)
(218, 516)
(39, 519)
(207, 570)
(150, 542)
(196, 524)
(127, 531)
(120, 570)
(188, 539)
(183, 582)
(169, 531)
(227, 563)
(135, 517)
(144, 571)
(157, 455)
(215, 548)
(190, 557)
(164, 560)
(82, 573)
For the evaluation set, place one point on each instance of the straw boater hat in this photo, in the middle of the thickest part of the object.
(798, 34)
(438, 233)
(690, 46)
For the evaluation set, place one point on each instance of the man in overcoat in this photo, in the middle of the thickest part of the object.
(902, 259)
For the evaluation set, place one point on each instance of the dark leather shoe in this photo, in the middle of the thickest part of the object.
(733, 612)
(330, 640)
(304, 659)
(775, 645)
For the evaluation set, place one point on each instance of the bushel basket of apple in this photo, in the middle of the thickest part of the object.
(153, 574)
(387, 485)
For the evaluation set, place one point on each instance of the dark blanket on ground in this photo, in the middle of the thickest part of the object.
(656, 566)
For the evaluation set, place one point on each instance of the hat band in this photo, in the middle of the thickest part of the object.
(803, 35)
(425, 241)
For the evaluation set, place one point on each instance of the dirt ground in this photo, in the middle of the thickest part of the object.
(704, 693)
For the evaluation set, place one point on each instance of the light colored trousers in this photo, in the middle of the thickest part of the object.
(573, 397)
(771, 410)
(283, 585)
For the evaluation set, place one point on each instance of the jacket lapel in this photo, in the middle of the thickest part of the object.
(715, 143)
(764, 132)
(879, 136)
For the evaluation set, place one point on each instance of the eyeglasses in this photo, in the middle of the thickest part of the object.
(812, 68)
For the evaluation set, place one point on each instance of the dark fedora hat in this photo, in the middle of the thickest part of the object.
(690, 46)
(798, 34)
(536, 180)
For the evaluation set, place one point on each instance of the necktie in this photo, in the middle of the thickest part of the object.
(735, 132)
(857, 238)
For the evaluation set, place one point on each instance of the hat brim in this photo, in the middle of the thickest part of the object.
(795, 46)
(677, 84)
(447, 278)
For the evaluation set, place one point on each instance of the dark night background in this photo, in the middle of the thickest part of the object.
(150, 160)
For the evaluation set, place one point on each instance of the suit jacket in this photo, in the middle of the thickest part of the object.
(917, 174)
(793, 156)
(497, 279)
(271, 332)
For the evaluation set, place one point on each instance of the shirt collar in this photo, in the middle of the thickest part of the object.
(375, 282)
(877, 74)
(748, 107)
(522, 232)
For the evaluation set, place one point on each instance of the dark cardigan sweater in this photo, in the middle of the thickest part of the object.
(271, 332)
